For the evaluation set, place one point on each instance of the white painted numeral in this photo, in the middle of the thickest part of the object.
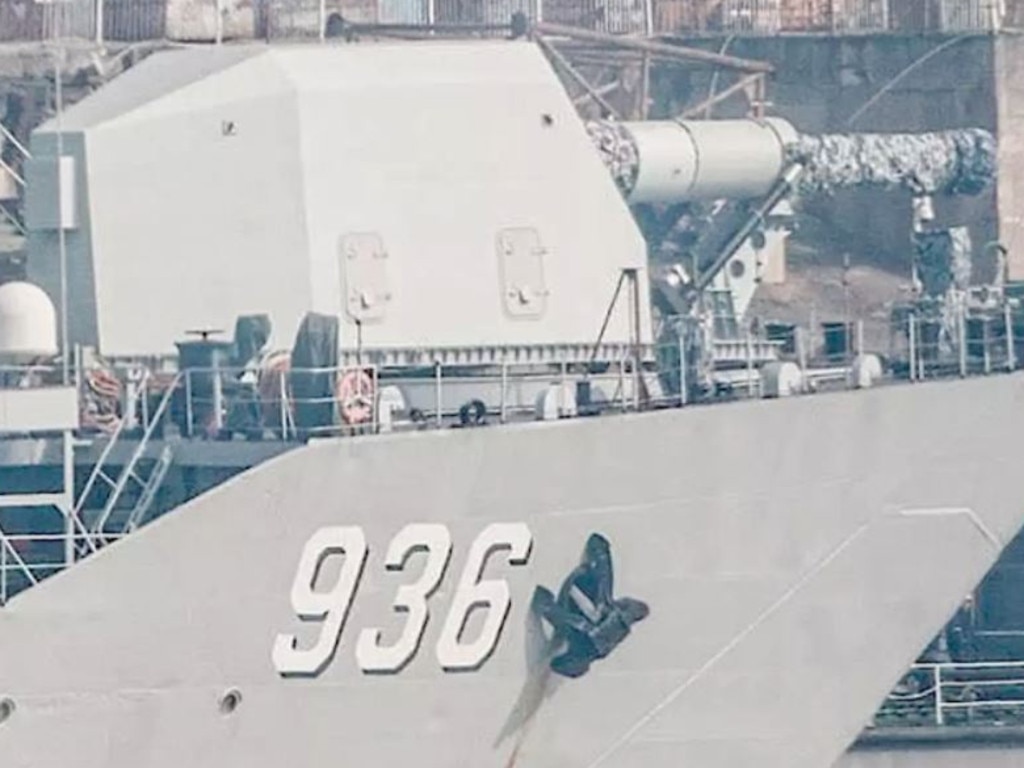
(475, 592)
(411, 599)
(330, 607)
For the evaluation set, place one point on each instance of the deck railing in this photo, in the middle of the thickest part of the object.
(956, 695)
(144, 406)
(270, 401)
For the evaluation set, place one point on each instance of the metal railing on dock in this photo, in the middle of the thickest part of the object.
(956, 695)
(190, 21)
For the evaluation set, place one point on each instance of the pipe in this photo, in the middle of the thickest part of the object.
(684, 53)
(782, 187)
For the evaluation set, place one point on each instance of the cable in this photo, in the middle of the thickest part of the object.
(906, 71)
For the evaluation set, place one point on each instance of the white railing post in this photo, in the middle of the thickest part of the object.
(562, 370)
(68, 451)
(622, 382)
(438, 404)
(962, 338)
(937, 679)
(912, 344)
(986, 346)
(1011, 354)
(750, 364)
(504, 391)
(800, 342)
(683, 386)
(375, 400)
(98, 21)
(283, 405)
(188, 403)
(997, 12)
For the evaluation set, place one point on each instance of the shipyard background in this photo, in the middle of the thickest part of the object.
(839, 65)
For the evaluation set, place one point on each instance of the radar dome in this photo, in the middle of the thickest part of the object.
(28, 323)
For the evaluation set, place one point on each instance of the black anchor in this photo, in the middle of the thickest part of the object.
(585, 615)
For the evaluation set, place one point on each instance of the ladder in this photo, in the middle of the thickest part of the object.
(149, 490)
(10, 217)
(149, 484)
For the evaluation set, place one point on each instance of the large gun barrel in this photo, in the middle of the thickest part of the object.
(666, 161)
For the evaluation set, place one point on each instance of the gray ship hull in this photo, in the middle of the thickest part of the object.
(796, 557)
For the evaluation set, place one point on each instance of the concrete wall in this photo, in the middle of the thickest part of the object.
(869, 83)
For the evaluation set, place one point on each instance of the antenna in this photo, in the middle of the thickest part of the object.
(204, 334)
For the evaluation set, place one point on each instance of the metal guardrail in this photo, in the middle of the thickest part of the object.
(188, 21)
(968, 15)
(28, 558)
(956, 695)
(262, 401)
(22, 21)
(366, 399)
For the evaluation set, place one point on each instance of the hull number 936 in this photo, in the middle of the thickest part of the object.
(330, 605)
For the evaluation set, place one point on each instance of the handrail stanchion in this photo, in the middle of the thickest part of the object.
(438, 415)
(144, 398)
(188, 403)
(912, 343)
(283, 403)
(562, 376)
(375, 378)
(749, 351)
(961, 340)
(1011, 353)
(622, 383)
(504, 391)
(682, 369)
(986, 347)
